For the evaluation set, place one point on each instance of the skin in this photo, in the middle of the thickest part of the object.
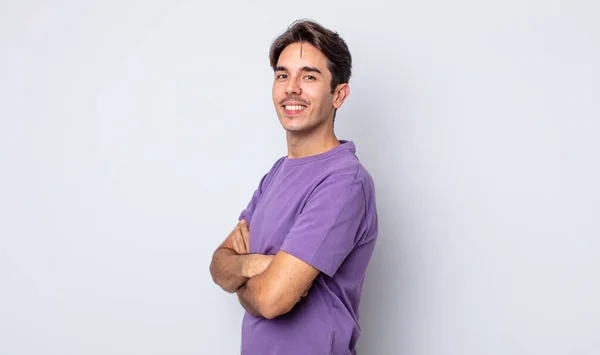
(232, 266)
(311, 131)
(269, 286)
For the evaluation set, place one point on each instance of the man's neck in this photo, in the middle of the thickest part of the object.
(300, 146)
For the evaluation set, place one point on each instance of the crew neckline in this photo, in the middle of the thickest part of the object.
(344, 145)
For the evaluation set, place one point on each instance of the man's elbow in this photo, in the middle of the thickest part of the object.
(272, 306)
(269, 312)
(228, 287)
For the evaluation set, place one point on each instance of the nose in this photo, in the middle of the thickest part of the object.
(292, 87)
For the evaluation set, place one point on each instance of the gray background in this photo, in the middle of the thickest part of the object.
(132, 133)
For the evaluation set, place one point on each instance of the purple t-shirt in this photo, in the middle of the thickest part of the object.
(320, 209)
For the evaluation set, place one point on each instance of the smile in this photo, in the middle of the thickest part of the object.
(294, 108)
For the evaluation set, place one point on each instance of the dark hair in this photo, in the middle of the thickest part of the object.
(328, 42)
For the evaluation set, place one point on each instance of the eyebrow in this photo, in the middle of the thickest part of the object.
(306, 68)
(311, 69)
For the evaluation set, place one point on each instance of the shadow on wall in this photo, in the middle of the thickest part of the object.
(386, 303)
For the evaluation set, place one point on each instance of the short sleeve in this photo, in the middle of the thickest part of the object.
(327, 229)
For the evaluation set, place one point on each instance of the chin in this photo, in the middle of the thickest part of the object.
(293, 128)
(291, 123)
(298, 128)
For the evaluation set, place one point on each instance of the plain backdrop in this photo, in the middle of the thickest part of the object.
(132, 133)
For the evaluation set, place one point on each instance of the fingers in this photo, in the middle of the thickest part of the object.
(245, 232)
(236, 243)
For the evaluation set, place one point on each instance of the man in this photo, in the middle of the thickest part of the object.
(298, 256)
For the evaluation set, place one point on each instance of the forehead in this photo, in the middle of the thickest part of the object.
(298, 55)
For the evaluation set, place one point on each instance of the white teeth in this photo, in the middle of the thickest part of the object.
(294, 108)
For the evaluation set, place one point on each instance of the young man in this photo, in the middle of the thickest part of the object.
(298, 256)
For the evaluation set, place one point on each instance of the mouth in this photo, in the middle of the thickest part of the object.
(293, 110)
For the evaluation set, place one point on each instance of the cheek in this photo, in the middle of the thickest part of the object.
(319, 95)
(278, 92)
(323, 101)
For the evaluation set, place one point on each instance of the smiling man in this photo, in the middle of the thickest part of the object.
(298, 256)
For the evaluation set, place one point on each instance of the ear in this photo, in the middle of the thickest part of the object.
(340, 94)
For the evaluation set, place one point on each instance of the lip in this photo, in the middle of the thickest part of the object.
(293, 103)
(291, 113)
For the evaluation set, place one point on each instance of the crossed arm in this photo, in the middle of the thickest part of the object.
(267, 286)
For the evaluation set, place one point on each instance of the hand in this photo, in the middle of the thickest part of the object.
(241, 238)
(256, 264)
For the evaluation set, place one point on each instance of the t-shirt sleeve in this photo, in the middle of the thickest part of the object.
(327, 229)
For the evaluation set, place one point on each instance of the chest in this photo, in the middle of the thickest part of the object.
(275, 214)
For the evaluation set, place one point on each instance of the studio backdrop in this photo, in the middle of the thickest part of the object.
(132, 134)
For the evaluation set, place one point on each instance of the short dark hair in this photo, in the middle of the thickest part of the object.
(327, 41)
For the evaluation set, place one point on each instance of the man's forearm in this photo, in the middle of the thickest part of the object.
(256, 299)
(276, 290)
(227, 269)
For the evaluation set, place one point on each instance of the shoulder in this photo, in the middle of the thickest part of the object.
(347, 168)
(355, 182)
(343, 177)
(277, 164)
(353, 179)
(268, 176)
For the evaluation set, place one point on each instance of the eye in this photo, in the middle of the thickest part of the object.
(310, 77)
(281, 76)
